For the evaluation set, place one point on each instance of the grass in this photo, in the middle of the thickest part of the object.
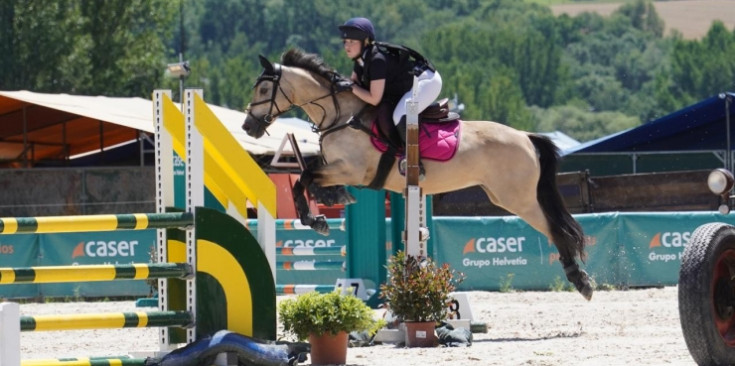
(506, 284)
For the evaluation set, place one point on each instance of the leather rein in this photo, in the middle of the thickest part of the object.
(274, 77)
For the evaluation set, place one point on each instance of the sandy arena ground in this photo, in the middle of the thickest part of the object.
(635, 327)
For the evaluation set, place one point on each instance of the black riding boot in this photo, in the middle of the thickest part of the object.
(401, 128)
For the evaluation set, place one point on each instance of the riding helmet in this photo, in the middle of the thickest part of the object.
(357, 28)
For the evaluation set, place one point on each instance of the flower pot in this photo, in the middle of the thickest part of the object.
(420, 334)
(328, 349)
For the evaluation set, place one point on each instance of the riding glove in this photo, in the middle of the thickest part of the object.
(344, 85)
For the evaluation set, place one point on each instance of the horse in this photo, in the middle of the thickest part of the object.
(516, 169)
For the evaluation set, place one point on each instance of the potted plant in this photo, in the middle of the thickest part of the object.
(417, 293)
(326, 320)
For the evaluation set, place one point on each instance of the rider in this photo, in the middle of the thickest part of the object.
(383, 79)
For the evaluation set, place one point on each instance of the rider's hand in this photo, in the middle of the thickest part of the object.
(343, 85)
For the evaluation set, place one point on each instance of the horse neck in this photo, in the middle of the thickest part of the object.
(314, 98)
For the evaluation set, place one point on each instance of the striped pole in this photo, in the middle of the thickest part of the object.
(312, 251)
(302, 289)
(311, 265)
(84, 361)
(86, 223)
(94, 272)
(295, 224)
(106, 321)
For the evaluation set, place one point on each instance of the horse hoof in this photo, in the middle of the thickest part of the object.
(584, 286)
(587, 292)
(320, 225)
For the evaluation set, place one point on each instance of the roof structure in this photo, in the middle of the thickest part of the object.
(702, 126)
(39, 126)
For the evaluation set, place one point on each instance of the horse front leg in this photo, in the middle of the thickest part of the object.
(329, 195)
(318, 223)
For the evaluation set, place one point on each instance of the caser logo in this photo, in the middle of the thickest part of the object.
(308, 243)
(670, 239)
(494, 245)
(105, 249)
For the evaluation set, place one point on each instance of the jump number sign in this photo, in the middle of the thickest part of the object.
(459, 307)
(353, 286)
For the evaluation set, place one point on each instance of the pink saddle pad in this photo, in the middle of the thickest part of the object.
(437, 141)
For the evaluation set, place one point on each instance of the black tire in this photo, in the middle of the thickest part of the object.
(706, 301)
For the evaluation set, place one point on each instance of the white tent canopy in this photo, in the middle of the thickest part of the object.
(57, 126)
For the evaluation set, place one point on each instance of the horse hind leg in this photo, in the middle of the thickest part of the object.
(533, 214)
(564, 230)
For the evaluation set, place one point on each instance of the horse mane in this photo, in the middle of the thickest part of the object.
(308, 61)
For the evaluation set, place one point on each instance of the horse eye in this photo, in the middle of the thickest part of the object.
(263, 91)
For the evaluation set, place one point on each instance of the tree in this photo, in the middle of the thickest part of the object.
(114, 47)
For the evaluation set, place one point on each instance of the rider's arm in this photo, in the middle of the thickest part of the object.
(372, 96)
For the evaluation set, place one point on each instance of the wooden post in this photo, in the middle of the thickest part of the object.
(415, 233)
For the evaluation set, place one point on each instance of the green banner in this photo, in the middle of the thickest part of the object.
(624, 249)
(113, 247)
(494, 253)
(307, 238)
(654, 244)
(19, 250)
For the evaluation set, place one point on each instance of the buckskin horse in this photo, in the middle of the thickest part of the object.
(516, 169)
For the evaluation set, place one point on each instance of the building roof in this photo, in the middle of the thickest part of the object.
(58, 126)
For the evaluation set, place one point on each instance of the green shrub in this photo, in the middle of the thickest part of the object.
(326, 313)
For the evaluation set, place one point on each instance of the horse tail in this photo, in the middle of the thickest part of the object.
(566, 232)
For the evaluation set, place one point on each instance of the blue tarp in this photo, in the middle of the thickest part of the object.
(701, 126)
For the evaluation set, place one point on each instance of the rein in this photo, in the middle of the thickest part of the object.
(275, 77)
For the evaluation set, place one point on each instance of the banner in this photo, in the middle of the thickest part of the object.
(495, 253)
(624, 249)
(19, 250)
(654, 244)
(109, 247)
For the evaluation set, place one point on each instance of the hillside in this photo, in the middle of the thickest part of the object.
(690, 17)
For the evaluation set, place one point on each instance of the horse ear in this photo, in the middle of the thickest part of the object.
(267, 65)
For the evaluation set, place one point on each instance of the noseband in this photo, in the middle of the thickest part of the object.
(274, 76)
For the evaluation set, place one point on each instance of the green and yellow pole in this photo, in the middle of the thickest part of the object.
(86, 223)
(138, 319)
(94, 272)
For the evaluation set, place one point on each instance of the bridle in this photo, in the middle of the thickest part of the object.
(274, 76)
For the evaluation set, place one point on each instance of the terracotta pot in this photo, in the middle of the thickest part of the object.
(420, 334)
(328, 349)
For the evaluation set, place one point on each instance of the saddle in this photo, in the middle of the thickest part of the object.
(438, 112)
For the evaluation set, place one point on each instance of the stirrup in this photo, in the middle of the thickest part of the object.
(402, 168)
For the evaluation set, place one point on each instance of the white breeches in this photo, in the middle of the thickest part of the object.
(428, 87)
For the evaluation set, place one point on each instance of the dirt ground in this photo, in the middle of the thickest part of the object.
(692, 18)
(634, 327)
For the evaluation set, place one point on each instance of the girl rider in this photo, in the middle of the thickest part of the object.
(383, 76)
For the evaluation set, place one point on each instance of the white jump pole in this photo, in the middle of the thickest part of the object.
(9, 334)
(415, 234)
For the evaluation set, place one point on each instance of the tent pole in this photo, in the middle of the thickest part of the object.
(728, 157)
(25, 137)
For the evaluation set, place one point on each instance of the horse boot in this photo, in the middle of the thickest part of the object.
(401, 128)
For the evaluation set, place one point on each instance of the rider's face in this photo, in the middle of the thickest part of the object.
(353, 47)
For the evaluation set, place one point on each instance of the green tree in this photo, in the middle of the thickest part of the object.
(113, 47)
(700, 69)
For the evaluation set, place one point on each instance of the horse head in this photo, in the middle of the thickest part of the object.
(264, 107)
(303, 81)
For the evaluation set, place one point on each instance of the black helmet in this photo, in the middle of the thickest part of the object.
(357, 28)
